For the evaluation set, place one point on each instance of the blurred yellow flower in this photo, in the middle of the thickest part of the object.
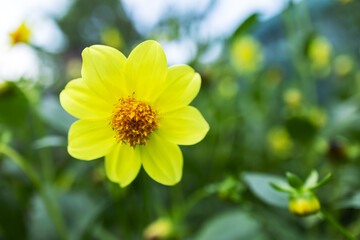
(246, 54)
(20, 35)
(279, 141)
(320, 52)
(292, 97)
(158, 230)
(112, 37)
(227, 87)
(134, 111)
(343, 65)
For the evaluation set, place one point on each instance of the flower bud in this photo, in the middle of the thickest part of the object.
(160, 229)
(304, 204)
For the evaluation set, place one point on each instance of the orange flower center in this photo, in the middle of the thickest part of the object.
(133, 121)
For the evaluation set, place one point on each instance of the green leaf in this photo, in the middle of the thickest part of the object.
(50, 141)
(312, 179)
(322, 182)
(352, 202)
(55, 115)
(282, 187)
(252, 20)
(259, 184)
(294, 180)
(13, 105)
(233, 225)
(78, 210)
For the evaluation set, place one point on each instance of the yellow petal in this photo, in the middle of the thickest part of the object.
(181, 87)
(146, 69)
(78, 100)
(90, 139)
(185, 126)
(162, 160)
(103, 71)
(122, 164)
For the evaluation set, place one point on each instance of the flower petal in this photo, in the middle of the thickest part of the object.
(162, 160)
(78, 100)
(146, 69)
(103, 71)
(90, 139)
(182, 86)
(123, 164)
(185, 126)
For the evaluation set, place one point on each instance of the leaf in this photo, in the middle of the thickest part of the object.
(77, 209)
(50, 141)
(259, 184)
(233, 225)
(252, 20)
(312, 179)
(282, 187)
(352, 202)
(322, 182)
(294, 180)
(13, 105)
(55, 115)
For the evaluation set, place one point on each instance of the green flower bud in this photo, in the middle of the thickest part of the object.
(304, 204)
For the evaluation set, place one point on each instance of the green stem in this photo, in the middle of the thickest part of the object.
(54, 212)
(337, 225)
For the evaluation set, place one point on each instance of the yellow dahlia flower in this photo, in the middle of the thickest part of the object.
(134, 111)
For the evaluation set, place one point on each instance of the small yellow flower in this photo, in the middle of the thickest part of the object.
(20, 35)
(343, 65)
(134, 111)
(247, 54)
(292, 97)
(279, 141)
(320, 52)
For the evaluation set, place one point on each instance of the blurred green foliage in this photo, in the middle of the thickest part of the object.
(295, 109)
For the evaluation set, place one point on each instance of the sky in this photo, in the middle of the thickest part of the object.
(22, 61)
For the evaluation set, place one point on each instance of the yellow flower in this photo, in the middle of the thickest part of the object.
(343, 65)
(247, 54)
(134, 111)
(320, 52)
(21, 34)
(292, 97)
(279, 141)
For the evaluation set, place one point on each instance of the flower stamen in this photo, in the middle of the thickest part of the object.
(133, 121)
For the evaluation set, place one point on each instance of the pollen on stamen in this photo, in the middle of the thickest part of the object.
(133, 121)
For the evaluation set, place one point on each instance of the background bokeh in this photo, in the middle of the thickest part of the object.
(280, 90)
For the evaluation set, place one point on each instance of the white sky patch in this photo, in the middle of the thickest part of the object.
(21, 61)
(224, 18)
(176, 55)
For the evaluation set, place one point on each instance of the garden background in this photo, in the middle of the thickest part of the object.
(280, 91)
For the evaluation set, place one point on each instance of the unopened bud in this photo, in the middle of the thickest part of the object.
(158, 230)
(304, 204)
